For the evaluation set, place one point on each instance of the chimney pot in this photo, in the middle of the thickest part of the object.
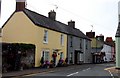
(52, 15)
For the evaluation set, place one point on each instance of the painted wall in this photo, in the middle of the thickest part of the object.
(117, 52)
(86, 56)
(96, 43)
(75, 46)
(87, 51)
(113, 54)
(20, 29)
(108, 52)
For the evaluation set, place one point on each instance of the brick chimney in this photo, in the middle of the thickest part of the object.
(20, 5)
(71, 24)
(52, 15)
(90, 34)
(100, 38)
(109, 39)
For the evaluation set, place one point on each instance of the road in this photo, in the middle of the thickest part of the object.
(96, 70)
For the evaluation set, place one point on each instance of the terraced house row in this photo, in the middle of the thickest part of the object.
(53, 40)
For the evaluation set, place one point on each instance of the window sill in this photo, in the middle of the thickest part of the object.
(45, 42)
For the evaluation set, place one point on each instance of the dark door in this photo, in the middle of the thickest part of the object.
(75, 57)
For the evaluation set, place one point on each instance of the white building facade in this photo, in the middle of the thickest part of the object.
(108, 52)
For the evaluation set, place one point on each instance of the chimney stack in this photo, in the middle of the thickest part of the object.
(109, 39)
(100, 38)
(90, 34)
(52, 15)
(20, 5)
(71, 24)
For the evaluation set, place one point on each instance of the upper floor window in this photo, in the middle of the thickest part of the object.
(71, 41)
(45, 39)
(62, 40)
(86, 44)
(80, 43)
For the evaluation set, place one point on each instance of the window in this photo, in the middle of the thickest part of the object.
(61, 55)
(86, 44)
(80, 43)
(71, 41)
(71, 55)
(46, 55)
(45, 39)
(62, 40)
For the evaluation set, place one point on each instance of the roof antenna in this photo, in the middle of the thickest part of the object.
(92, 28)
(56, 7)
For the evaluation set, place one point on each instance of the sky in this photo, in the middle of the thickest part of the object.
(100, 16)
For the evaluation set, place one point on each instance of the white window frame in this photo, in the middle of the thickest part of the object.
(62, 40)
(45, 37)
(46, 51)
(86, 45)
(80, 43)
(61, 55)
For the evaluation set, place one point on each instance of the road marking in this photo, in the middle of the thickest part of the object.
(109, 68)
(86, 69)
(72, 74)
(111, 74)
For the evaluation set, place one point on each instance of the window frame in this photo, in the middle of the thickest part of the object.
(71, 41)
(44, 53)
(45, 37)
(80, 43)
(62, 40)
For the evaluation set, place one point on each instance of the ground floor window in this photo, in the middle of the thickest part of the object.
(46, 55)
(61, 55)
(71, 54)
(81, 56)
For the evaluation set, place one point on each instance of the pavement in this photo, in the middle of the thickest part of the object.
(28, 72)
(113, 70)
(41, 70)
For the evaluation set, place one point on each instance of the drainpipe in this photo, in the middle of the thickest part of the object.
(96, 52)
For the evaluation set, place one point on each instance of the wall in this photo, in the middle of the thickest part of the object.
(117, 52)
(87, 52)
(76, 46)
(108, 52)
(95, 43)
(20, 29)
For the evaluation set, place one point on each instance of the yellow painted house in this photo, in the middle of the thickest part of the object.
(96, 43)
(48, 35)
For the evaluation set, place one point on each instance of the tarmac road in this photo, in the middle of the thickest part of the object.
(86, 70)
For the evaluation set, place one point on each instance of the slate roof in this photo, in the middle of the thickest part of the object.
(46, 22)
(118, 31)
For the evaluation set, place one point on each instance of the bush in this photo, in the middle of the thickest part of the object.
(16, 55)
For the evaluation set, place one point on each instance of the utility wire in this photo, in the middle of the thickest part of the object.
(83, 18)
(75, 15)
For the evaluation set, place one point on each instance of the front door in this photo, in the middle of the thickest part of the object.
(54, 55)
(75, 57)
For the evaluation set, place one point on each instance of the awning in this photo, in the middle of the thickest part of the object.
(78, 51)
(99, 53)
(57, 49)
